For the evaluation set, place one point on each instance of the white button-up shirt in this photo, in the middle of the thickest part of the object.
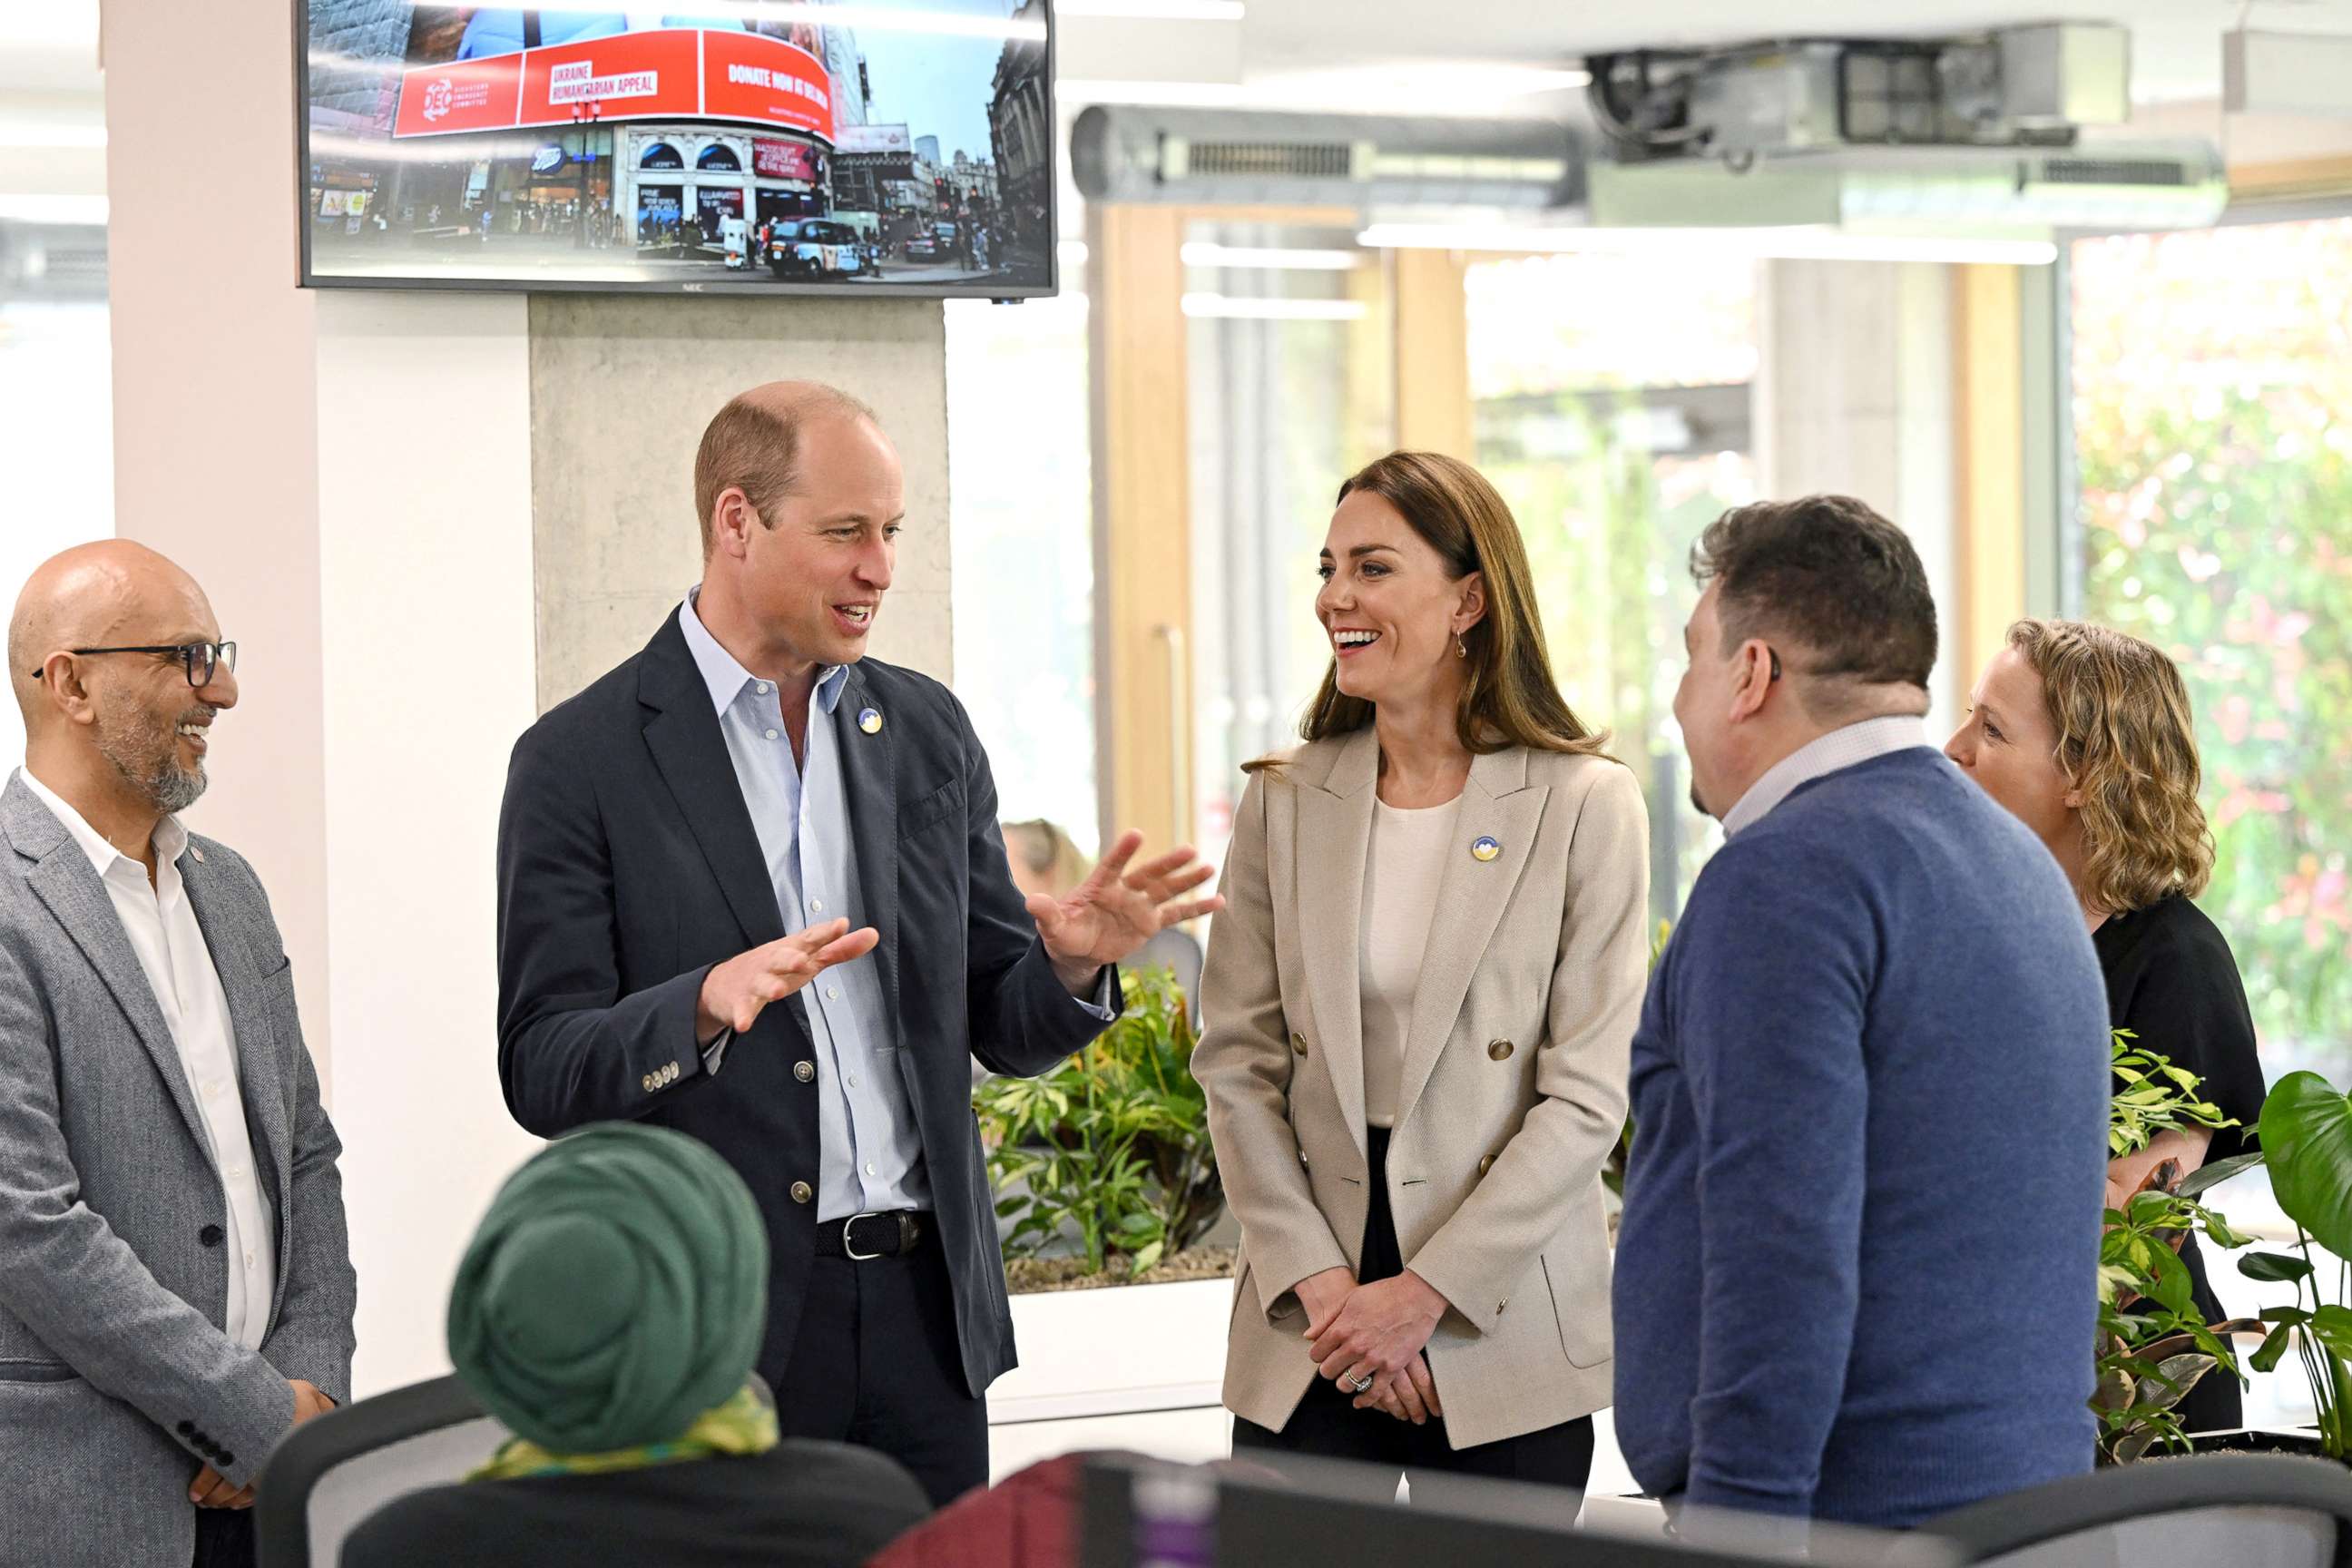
(161, 926)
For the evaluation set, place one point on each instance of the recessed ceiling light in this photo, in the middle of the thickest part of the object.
(72, 209)
(1790, 244)
(1156, 10)
(51, 134)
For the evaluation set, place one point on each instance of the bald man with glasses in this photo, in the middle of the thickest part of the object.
(178, 1291)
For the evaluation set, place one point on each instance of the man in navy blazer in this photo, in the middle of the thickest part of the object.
(749, 810)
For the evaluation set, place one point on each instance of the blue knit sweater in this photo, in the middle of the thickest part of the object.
(1857, 1272)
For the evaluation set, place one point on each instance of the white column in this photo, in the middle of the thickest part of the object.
(425, 594)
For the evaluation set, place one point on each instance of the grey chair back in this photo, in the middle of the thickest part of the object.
(2203, 1510)
(331, 1473)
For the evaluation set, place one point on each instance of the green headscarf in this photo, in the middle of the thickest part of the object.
(616, 1291)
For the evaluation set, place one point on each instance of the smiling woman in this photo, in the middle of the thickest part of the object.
(1464, 1021)
(1428, 542)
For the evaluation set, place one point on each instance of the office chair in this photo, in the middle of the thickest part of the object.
(2203, 1510)
(333, 1472)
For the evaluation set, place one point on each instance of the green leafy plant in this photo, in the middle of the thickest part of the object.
(2151, 1356)
(2157, 1097)
(2307, 1132)
(1109, 1154)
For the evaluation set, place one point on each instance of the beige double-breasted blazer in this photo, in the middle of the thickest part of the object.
(1513, 1089)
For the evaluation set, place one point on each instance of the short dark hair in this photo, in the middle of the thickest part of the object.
(1830, 576)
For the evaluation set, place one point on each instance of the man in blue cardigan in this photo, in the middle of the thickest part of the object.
(1857, 1274)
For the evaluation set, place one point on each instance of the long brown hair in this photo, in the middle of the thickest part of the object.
(2127, 744)
(1509, 698)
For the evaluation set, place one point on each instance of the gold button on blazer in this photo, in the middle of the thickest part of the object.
(1493, 1165)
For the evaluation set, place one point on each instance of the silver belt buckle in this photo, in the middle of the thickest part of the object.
(848, 1246)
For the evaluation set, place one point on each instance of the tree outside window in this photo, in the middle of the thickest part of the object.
(2212, 416)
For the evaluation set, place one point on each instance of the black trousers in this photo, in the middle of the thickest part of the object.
(1328, 1426)
(877, 1364)
(225, 1538)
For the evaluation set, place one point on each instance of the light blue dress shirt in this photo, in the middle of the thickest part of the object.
(871, 1151)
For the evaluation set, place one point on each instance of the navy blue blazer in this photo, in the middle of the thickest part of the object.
(628, 867)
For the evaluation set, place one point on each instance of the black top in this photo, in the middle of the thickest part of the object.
(2171, 981)
(802, 1504)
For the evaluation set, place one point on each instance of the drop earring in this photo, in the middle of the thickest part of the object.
(1461, 649)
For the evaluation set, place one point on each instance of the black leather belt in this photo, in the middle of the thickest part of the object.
(863, 1236)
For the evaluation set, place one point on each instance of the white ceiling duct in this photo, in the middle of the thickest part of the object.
(1927, 190)
(1127, 152)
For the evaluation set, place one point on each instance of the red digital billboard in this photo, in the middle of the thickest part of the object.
(661, 73)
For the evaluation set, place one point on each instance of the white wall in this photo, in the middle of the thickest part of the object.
(424, 577)
(57, 451)
(215, 443)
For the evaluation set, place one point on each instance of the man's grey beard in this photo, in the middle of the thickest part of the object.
(146, 757)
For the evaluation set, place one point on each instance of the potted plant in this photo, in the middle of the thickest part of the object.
(1103, 1167)
(2307, 1138)
(1105, 1176)
(2154, 1344)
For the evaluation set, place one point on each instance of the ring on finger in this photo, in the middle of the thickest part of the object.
(1360, 1384)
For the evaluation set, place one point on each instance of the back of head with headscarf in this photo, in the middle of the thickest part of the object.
(616, 1289)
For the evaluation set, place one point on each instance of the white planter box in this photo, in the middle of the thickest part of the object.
(1135, 1366)
(1142, 1367)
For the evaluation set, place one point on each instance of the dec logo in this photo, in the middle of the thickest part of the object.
(439, 98)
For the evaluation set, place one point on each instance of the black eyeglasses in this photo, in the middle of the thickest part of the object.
(199, 659)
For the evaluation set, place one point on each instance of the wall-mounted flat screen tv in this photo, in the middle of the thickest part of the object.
(841, 147)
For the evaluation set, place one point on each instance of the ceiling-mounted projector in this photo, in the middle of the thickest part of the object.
(1976, 133)
(2035, 86)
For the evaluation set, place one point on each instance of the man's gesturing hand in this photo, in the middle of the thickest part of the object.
(1115, 910)
(735, 992)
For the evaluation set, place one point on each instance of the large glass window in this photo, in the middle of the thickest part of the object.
(1289, 378)
(2212, 421)
(1611, 396)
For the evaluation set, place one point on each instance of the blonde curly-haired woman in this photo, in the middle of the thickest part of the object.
(2084, 734)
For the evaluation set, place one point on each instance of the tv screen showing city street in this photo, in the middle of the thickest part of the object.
(765, 146)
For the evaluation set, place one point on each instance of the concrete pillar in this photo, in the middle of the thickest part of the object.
(620, 390)
(1854, 394)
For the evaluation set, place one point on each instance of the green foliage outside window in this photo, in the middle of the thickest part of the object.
(2213, 415)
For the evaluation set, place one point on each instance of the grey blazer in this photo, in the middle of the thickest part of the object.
(116, 1379)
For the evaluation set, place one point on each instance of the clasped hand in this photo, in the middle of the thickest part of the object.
(210, 1490)
(1378, 1330)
